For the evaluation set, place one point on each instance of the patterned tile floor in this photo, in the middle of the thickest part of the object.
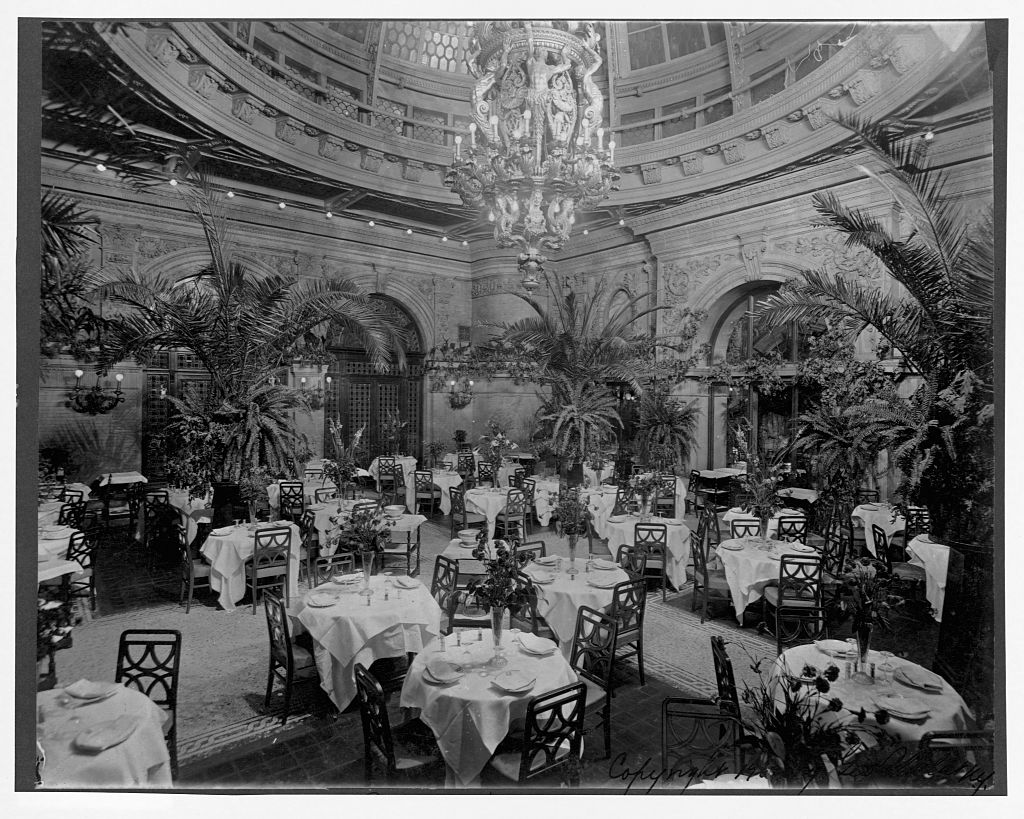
(319, 748)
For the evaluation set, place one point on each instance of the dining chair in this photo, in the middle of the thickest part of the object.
(312, 474)
(653, 539)
(632, 560)
(820, 522)
(291, 500)
(385, 473)
(517, 478)
(149, 660)
(71, 495)
(623, 501)
(797, 601)
(485, 474)
(527, 617)
(961, 759)
(361, 506)
(82, 548)
(288, 661)
(629, 604)
(460, 518)
(593, 660)
(444, 588)
(691, 500)
(325, 494)
(533, 548)
(399, 551)
(707, 582)
(918, 522)
(724, 678)
(867, 496)
(310, 549)
(404, 753)
(71, 514)
(193, 572)
(665, 499)
(699, 740)
(552, 740)
(394, 491)
(327, 566)
(900, 571)
(745, 527)
(269, 565)
(792, 529)
(426, 492)
(466, 467)
(712, 525)
(529, 487)
(511, 521)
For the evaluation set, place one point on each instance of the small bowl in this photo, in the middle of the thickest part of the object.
(468, 535)
(394, 511)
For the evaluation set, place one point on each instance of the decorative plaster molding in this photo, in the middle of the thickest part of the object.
(651, 173)
(288, 129)
(246, 107)
(371, 160)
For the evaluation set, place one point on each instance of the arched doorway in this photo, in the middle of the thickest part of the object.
(362, 396)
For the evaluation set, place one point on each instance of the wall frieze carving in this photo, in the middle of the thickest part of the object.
(827, 249)
(245, 107)
(203, 80)
(288, 129)
(162, 45)
(651, 173)
(329, 147)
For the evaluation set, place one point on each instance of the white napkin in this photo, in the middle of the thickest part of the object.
(536, 645)
(919, 677)
(901, 706)
(833, 648)
(107, 734)
(543, 578)
(86, 690)
(223, 531)
(405, 582)
(601, 563)
(514, 680)
(547, 561)
(320, 599)
(442, 670)
(601, 582)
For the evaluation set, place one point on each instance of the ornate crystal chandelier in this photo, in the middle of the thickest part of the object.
(536, 149)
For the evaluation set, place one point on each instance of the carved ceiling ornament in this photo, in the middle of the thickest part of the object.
(161, 46)
(329, 147)
(827, 249)
(288, 129)
(245, 107)
(752, 251)
(202, 80)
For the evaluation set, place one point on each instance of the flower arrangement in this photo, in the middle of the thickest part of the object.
(644, 485)
(365, 530)
(496, 444)
(252, 488)
(571, 513)
(760, 484)
(53, 626)
(434, 450)
(499, 588)
(865, 597)
(799, 733)
(342, 468)
(392, 430)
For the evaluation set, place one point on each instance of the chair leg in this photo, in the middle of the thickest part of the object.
(287, 698)
(607, 730)
(270, 684)
(640, 659)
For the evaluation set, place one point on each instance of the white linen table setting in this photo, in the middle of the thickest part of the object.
(53, 540)
(50, 568)
(749, 568)
(309, 488)
(443, 480)
(620, 531)
(545, 499)
(323, 514)
(600, 502)
(591, 476)
(347, 629)
(934, 557)
(487, 502)
(918, 701)
(464, 555)
(560, 595)
(797, 493)
(122, 478)
(107, 737)
(736, 513)
(867, 515)
(227, 549)
(470, 713)
(49, 512)
(407, 462)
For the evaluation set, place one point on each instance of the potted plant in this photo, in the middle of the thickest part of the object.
(666, 430)
(578, 419)
(499, 589)
(434, 451)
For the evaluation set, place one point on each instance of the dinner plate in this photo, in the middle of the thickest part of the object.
(88, 691)
(549, 560)
(602, 584)
(107, 734)
(800, 547)
(920, 678)
(406, 582)
(223, 531)
(514, 681)
(321, 600)
(903, 707)
(604, 565)
(617, 518)
(731, 547)
(442, 671)
(538, 646)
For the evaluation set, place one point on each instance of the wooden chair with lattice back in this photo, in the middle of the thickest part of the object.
(270, 564)
(699, 739)
(798, 601)
(288, 661)
(310, 549)
(632, 560)
(533, 548)
(313, 473)
(71, 495)
(653, 539)
(623, 501)
(386, 465)
(724, 677)
(593, 660)
(868, 496)
(745, 527)
(515, 480)
(527, 617)
(629, 605)
(918, 522)
(82, 548)
(193, 572)
(460, 518)
(425, 491)
(71, 514)
(792, 529)
(691, 500)
(149, 660)
(328, 566)
(665, 499)
(444, 588)
(901, 571)
(711, 524)
(552, 739)
(393, 492)
(466, 467)
(485, 474)
(529, 487)
(511, 521)
(291, 500)
(404, 753)
(325, 494)
(709, 583)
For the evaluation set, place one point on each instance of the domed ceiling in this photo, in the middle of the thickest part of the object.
(361, 117)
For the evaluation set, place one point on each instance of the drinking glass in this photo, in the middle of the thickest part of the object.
(852, 652)
(885, 672)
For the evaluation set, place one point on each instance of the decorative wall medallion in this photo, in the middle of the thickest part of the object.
(202, 80)
(796, 116)
(329, 147)
(161, 47)
(828, 249)
(750, 136)
(693, 164)
(651, 172)
(774, 135)
(863, 86)
(288, 129)
(732, 152)
(371, 160)
(819, 113)
(906, 52)
(245, 107)
(672, 160)
(412, 170)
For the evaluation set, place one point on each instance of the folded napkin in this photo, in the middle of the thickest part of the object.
(107, 734)
(833, 648)
(406, 582)
(536, 645)
(547, 561)
(542, 577)
(601, 563)
(919, 677)
(223, 531)
(901, 706)
(86, 690)
(319, 599)
(602, 583)
(442, 670)
(514, 680)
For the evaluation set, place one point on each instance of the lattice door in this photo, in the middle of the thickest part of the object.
(177, 373)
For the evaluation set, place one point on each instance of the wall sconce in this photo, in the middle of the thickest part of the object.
(96, 401)
(460, 393)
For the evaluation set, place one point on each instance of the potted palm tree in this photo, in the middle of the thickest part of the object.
(666, 430)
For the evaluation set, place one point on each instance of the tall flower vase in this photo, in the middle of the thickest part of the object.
(368, 558)
(765, 523)
(252, 511)
(573, 539)
(645, 510)
(863, 632)
(497, 623)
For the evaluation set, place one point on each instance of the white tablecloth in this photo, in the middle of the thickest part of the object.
(505, 472)
(350, 631)
(935, 559)
(487, 502)
(722, 473)
(52, 568)
(406, 462)
(773, 525)
(444, 481)
(49, 511)
(227, 555)
(876, 514)
(750, 569)
(948, 710)
(600, 502)
(469, 718)
(545, 498)
(621, 532)
(559, 601)
(308, 492)
(798, 493)
(56, 546)
(118, 478)
(140, 761)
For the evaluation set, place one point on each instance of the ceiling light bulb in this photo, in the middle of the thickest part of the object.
(408, 231)
(622, 222)
(101, 167)
(174, 182)
(444, 238)
(371, 223)
(586, 232)
(281, 205)
(119, 377)
(465, 243)
(231, 194)
(929, 136)
(490, 216)
(79, 373)
(458, 139)
(329, 215)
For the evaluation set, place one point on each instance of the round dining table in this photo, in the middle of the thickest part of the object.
(228, 549)
(749, 567)
(72, 732)
(349, 628)
(736, 513)
(620, 531)
(946, 709)
(560, 594)
(471, 715)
